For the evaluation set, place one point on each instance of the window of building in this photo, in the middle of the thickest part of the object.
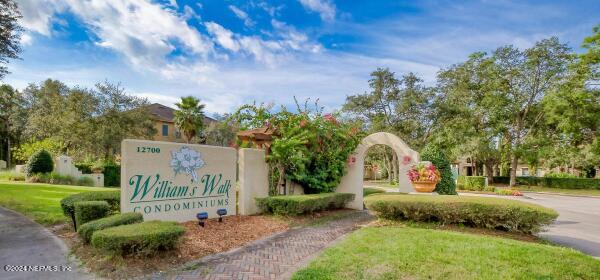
(525, 171)
(165, 130)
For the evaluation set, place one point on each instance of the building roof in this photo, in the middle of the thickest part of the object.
(166, 114)
(261, 133)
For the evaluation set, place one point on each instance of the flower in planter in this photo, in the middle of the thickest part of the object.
(186, 161)
(422, 172)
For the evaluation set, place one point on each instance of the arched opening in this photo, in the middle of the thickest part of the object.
(353, 181)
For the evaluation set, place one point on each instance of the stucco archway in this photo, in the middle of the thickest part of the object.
(353, 181)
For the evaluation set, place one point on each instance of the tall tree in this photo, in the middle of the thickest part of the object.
(525, 77)
(464, 123)
(573, 112)
(10, 34)
(12, 115)
(119, 116)
(189, 117)
(222, 132)
(399, 106)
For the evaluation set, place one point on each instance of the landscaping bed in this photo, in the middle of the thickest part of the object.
(414, 253)
(195, 243)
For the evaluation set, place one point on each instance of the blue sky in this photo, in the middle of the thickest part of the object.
(228, 53)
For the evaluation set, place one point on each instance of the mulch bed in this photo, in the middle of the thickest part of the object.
(215, 237)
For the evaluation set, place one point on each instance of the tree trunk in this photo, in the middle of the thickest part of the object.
(489, 172)
(513, 171)
(8, 159)
(281, 181)
(388, 165)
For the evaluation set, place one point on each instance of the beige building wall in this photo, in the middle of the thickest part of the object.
(253, 179)
(173, 134)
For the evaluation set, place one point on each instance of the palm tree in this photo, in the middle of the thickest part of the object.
(189, 117)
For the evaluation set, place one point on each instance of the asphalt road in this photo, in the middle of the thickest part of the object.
(25, 245)
(578, 223)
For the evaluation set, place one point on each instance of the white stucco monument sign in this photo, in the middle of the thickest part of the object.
(173, 182)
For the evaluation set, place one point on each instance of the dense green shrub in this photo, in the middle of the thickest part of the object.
(112, 174)
(112, 197)
(471, 183)
(306, 203)
(86, 211)
(489, 189)
(86, 230)
(40, 162)
(141, 238)
(446, 184)
(559, 175)
(368, 191)
(571, 183)
(522, 180)
(482, 212)
(84, 167)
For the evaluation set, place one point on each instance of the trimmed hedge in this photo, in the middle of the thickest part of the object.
(552, 182)
(112, 197)
(86, 211)
(471, 183)
(142, 238)
(306, 203)
(571, 183)
(480, 212)
(86, 230)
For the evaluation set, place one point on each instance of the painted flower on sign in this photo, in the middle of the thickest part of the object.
(187, 161)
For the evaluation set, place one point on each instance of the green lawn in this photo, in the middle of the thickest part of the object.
(369, 191)
(416, 253)
(40, 202)
(555, 190)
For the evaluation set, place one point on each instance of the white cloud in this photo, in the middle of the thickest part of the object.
(224, 37)
(242, 15)
(189, 13)
(144, 32)
(37, 17)
(324, 8)
(283, 42)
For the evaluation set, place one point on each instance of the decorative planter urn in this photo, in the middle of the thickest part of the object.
(424, 186)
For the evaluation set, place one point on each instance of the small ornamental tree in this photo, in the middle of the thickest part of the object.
(446, 184)
(39, 162)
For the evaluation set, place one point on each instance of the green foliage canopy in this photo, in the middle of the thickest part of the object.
(309, 147)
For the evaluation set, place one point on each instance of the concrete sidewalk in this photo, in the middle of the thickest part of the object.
(26, 245)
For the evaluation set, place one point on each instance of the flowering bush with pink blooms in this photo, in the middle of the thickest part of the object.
(422, 172)
(309, 147)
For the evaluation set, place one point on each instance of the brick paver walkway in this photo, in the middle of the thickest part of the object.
(276, 257)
